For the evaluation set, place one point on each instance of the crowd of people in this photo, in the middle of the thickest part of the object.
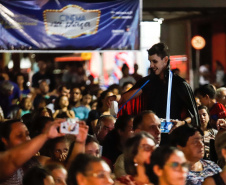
(131, 148)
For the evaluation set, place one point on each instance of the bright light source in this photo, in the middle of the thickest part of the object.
(159, 20)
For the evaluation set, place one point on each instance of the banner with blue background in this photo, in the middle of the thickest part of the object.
(69, 25)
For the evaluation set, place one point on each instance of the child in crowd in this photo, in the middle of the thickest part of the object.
(64, 112)
(206, 94)
(25, 107)
(86, 99)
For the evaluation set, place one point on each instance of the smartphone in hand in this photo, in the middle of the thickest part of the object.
(70, 126)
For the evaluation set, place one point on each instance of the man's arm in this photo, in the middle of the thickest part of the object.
(124, 97)
(14, 158)
(187, 96)
(79, 145)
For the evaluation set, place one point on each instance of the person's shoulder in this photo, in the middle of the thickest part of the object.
(177, 78)
(210, 164)
(219, 105)
(35, 75)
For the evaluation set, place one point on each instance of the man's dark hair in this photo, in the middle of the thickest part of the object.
(207, 89)
(91, 139)
(102, 119)
(159, 49)
(5, 130)
(139, 118)
(67, 86)
(124, 66)
(122, 122)
(81, 164)
(114, 86)
(35, 176)
(181, 134)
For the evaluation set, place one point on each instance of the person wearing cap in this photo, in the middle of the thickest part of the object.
(219, 178)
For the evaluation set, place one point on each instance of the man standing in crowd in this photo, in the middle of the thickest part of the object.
(153, 96)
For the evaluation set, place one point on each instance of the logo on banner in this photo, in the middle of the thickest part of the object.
(71, 21)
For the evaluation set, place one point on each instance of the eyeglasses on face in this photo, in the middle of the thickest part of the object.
(147, 147)
(177, 166)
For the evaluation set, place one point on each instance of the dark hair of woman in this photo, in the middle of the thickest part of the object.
(81, 164)
(35, 176)
(159, 157)
(131, 150)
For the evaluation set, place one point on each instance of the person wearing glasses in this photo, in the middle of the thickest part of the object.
(219, 178)
(168, 166)
(89, 170)
(190, 140)
(137, 152)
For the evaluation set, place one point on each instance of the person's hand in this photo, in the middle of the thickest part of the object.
(109, 100)
(83, 131)
(221, 124)
(176, 123)
(51, 129)
(63, 157)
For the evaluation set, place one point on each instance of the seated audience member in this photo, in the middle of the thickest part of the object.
(148, 121)
(25, 107)
(93, 105)
(219, 178)
(43, 74)
(86, 99)
(92, 146)
(64, 111)
(115, 140)
(44, 93)
(24, 90)
(135, 75)
(209, 133)
(58, 172)
(115, 89)
(59, 148)
(105, 124)
(75, 97)
(80, 111)
(137, 152)
(190, 140)
(206, 94)
(221, 95)
(126, 76)
(63, 90)
(89, 170)
(168, 166)
(38, 176)
(43, 111)
(19, 149)
(102, 109)
(10, 94)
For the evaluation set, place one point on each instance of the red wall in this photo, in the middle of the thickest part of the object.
(218, 45)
